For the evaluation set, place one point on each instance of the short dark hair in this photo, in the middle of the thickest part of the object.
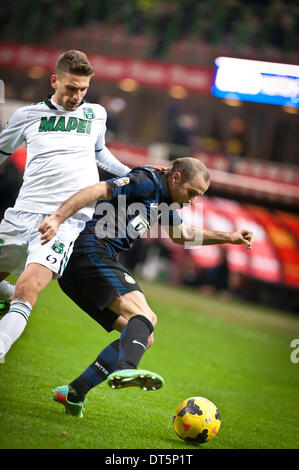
(189, 167)
(75, 62)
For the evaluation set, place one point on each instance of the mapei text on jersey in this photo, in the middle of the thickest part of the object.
(63, 124)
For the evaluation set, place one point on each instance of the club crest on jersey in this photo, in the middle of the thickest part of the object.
(88, 113)
(122, 181)
(129, 279)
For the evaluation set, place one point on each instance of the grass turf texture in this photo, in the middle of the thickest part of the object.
(235, 354)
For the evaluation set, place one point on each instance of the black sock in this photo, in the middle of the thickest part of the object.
(95, 374)
(77, 390)
(133, 342)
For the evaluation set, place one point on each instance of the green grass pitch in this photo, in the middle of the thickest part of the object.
(235, 354)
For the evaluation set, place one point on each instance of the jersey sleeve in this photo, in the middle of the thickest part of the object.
(12, 136)
(108, 162)
(100, 142)
(170, 218)
(135, 185)
(104, 158)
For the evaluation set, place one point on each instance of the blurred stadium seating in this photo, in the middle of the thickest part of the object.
(154, 64)
(187, 31)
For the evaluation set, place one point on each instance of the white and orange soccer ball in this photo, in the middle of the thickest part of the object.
(196, 419)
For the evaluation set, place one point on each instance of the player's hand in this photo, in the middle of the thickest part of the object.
(48, 229)
(242, 236)
(160, 168)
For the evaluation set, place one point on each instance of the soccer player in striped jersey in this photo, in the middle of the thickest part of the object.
(96, 281)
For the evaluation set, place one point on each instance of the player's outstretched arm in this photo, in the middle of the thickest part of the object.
(72, 205)
(196, 236)
(238, 237)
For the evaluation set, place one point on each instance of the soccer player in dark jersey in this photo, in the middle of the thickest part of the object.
(102, 287)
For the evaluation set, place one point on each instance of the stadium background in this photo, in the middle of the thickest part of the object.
(154, 64)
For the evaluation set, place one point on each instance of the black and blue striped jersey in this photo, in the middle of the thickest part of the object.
(139, 200)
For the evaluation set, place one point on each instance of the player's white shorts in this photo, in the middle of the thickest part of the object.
(20, 242)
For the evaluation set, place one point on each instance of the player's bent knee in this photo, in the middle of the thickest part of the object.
(120, 323)
(148, 315)
(31, 282)
(132, 304)
(150, 341)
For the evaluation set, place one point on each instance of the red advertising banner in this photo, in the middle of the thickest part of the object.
(283, 241)
(146, 72)
(262, 261)
(274, 257)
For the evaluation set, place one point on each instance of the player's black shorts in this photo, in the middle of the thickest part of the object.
(92, 280)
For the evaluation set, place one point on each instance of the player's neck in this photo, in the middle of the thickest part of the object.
(55, 101)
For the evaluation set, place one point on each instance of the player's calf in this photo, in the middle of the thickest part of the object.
(33, 279)
(31, 282)
(133, 341)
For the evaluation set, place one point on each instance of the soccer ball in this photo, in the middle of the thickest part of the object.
(196, 419)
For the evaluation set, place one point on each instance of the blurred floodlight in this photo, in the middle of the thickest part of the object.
(128, 84)
(291, 109)
(232, 99)
(178, 92)
(117, 105)
(36, 72)
(253, 80)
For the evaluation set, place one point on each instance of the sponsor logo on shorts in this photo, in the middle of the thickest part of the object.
(51, 259)
(58, 247)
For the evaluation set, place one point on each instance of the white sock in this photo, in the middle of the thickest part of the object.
(6, 290)
(13, 324)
